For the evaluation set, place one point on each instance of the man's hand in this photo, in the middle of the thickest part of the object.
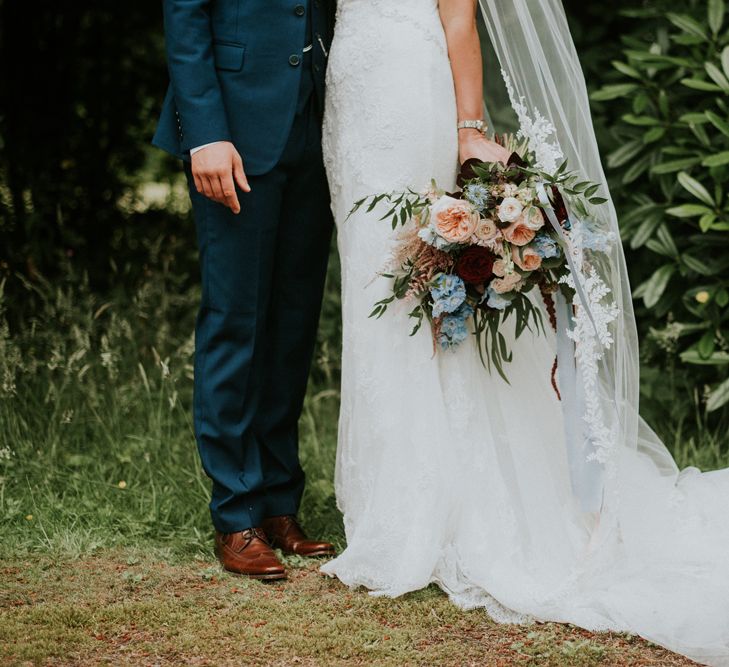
(216, 170)
(472, 144)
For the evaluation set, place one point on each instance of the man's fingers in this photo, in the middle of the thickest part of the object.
(217, 188)
(229, 193)
(207, 187)
(198, 184)
(239, 175)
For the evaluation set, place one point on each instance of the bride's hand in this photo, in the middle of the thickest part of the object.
(473, 144)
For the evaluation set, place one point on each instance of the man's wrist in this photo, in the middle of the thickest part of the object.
(199, 148)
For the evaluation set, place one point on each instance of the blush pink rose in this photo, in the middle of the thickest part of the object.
(508, 283)
(518, 233)
(499, 268)
(532, 217)
(455, 220)
(486, 231)
(526, 258)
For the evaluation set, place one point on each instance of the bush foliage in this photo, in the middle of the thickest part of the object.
(670, 171)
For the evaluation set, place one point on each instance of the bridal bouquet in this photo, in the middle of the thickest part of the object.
(468, 260)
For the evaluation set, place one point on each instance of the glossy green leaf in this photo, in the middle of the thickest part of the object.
(718, 397)
(716, 10)
(697, 265)
(626, 69)
(717, 76)
(706, 345)
(640, 120)
(625, 153)
(656, 285)
(718, 160)
(666, 239)
(613, 91)
(695, 188)
(673, 166)
(718, 122)
(687, 24)
(688, 211)
(646, 229)
(701, 84)
(718, 358)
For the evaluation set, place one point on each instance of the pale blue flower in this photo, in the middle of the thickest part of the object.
(478, 195)
(429, 235)
(448, 292)
(546, 246)
(453, 327)
(496, 300)
(595, 240)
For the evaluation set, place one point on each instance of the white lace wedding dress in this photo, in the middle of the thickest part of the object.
(447, 474)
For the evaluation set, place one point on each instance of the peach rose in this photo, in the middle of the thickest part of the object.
(455, 220)
(518, 233)
(532, 218)
(526, 258)
(506, 284)
(486, 231)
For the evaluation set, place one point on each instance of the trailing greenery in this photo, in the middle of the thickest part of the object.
(670, 172)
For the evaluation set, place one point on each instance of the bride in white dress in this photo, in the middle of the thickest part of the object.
(445, 473)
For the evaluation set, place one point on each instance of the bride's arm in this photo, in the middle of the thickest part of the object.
(464, 49)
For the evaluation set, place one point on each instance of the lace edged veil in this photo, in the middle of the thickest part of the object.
(599, 366)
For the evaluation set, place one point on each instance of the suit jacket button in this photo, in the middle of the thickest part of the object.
(294, 60)
(299, 10)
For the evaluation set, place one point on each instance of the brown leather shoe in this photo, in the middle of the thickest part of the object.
(248, 552)
(286, 534)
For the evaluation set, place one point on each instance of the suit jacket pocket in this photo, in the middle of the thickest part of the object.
(229, 56)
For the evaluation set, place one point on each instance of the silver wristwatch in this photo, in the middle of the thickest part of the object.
(479, 125)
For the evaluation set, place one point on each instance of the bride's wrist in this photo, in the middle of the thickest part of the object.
(468, 134)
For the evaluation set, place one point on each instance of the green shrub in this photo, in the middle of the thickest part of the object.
(670, 170)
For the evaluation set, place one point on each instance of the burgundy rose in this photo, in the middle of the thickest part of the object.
(475, 265)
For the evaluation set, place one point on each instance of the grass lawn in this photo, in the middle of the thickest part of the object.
(132, 607)
(105, 549)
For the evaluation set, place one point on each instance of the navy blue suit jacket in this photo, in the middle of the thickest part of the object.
(235, 70)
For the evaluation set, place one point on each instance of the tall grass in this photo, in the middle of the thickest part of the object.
(96, 438)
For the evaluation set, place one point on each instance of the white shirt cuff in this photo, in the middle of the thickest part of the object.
(199, 148)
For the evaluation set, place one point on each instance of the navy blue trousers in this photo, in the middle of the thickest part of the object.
(263, 275)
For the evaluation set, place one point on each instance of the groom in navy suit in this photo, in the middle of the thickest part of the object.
(244, 112)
